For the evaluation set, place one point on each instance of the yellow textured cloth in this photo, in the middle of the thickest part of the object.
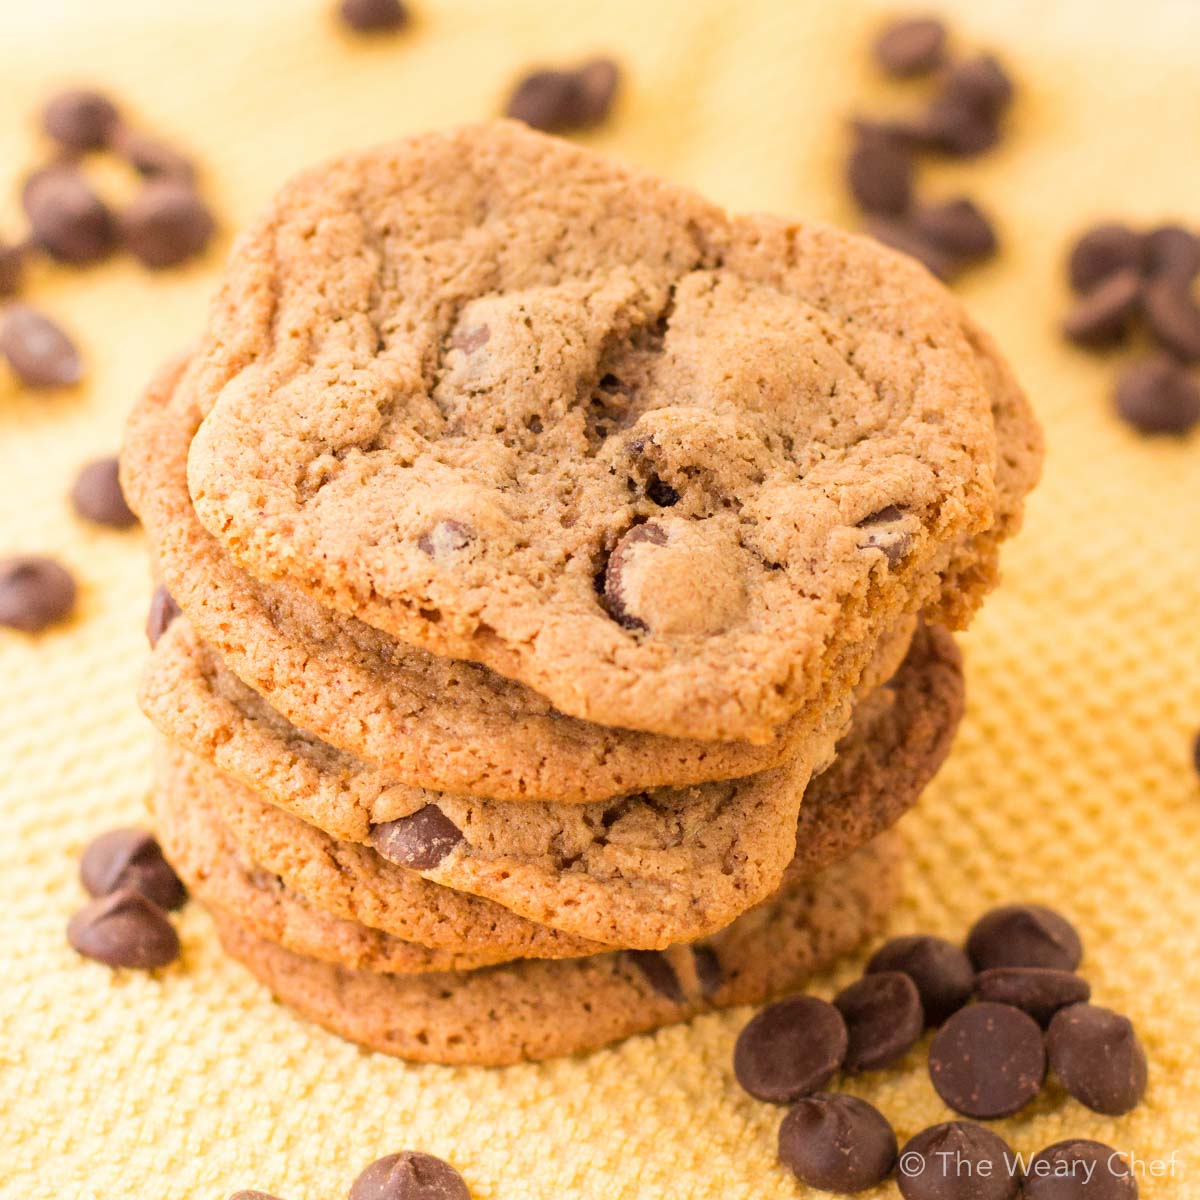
(1070, 782)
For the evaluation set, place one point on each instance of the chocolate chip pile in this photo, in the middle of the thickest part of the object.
(1125, 280)
(1006, 1008)
(963, 118)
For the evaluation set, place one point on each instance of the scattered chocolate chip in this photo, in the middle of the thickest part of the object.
(409, 1176)
(560, 101)
(130, 858)
(420, 841)
(69, 221)
(374, 16)
(660, 492)
(1079, 1169)
(911, 47)
(12, 268)
(789, 1049)
(124, 929)
(981, 82)
(39, 352)
(880, 175)
(163, 610)
(252, 1195)
(1172, 252)
(958, 1160)
(35, 593)
(1097, 1057)
(709, 971)
(837, 1143)
(904, 237)
(942, 972)
(957, 227)
(1103, 251)
(883, 1018)
(882, 534)
(1039, 991)
(1174, 317)
(988, 1060)
(613, 582)
(1024, 935)
(1156, 395)
(80, 119)
(152, 157)
(445, 538)
(166, 223)
(658, 973)
(1101, 316)
(97, 495)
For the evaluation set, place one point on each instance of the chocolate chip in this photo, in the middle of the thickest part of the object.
(1097, 1057)
(252, 1195)
(789, 1049)
(69, 221)
(409, 1176)
(39, 352)
(709, 972)
(1174, 317)
(80, 119)
(958, 1160)
(1156, 395)
(163, 610)
(837, 1143)
(130, 858)
(1196, 752)
(152, 157)
(1079, 1169)
(124, 929)
(942, 972)
(904, 237)
(561, 101)
(445, 538)
(1103, 251)
(374, 16)
(660, 492)
(12, 268)
(1172, 252)
(882, 534)
(880, 175)
(97, 495)
(964, 117)
(166, 223)
(1102, 315)
(911, 47)
(35, 593)
(1039, 991)
(658, 973)
(420, 841)
(883, 1019)
(988, 1060)
(1024, 935)
(613, 582)
(981, 82)
(957, 227)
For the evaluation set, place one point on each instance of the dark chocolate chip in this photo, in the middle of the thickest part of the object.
(166, 223)
(1039, 991)
(409, 1176)
(97, 495)
(958, 1160)
(882, 534)
(1103, 251)
(883, 1018)
(163, 610)
(597, 84)
(124, 929)
(988, 1060)
(1079, 1169)
(660, 492)
(789, 1049)
(903, 236)
(1174, 317)
(1172, 252)
(911, 47)
(560, 101)
(67, 218)
(130, 858)
(374, 16)
(837, 1143)
(658, 973)
(709, 972)
(958, 227)
(39, 352)
(880, 175)
(1157, 395)
(1024, 935)
(1102, 315)
(152, 157)
(35, 593)
(420, 841)
(1097, 1057)
(981, 82)
(80, 119)
(613, 586)
(12, 268)
(942, 972)
(445, 538)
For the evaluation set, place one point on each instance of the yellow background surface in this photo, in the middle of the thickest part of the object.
(1070, 782)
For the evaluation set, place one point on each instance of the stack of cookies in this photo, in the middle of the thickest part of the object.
(554, 582)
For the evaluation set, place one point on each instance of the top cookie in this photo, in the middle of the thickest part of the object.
(512, 403)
